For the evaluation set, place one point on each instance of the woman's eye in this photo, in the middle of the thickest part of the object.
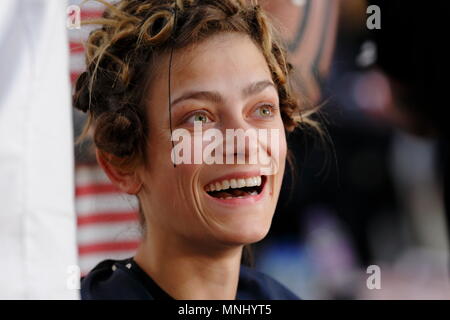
(265, 111)
(199, 116)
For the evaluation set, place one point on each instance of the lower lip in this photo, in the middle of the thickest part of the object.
(235, 202)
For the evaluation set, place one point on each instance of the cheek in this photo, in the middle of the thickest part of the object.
(281, 145)
(171, 197)
(172, 183)
(282, 157)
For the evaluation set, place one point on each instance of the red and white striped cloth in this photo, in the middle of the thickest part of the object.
(107, 219)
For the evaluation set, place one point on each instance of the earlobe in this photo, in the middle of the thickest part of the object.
(126, 180)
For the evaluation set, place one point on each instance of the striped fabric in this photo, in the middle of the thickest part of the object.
(107, 219)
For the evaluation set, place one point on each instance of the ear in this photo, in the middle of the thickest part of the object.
(126, 180)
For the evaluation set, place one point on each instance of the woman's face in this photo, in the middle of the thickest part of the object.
(222, 83)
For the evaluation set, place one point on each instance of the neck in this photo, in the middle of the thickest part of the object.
(188, 273)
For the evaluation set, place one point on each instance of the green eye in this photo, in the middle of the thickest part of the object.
(200, 117)
(265, 111)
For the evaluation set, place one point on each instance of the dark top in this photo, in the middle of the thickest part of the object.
(125, 280)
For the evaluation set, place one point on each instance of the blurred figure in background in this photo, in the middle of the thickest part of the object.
(309, 29)
(413, 59)
(378, 198)
(412, 53)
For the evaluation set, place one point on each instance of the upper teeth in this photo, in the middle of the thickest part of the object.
(234, 183)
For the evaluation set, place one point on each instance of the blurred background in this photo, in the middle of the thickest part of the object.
(372, 193)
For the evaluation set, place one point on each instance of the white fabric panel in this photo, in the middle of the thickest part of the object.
(37, 217)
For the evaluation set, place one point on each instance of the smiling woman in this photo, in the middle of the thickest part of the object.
(158, 66)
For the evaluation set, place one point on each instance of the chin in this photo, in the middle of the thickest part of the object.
(245, 233)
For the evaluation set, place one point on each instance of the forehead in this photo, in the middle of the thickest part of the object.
(227, 58)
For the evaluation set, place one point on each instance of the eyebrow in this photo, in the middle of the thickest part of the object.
(216, 97)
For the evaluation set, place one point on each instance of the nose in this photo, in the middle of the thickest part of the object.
(241, 139)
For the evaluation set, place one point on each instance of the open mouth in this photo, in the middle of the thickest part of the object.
(236, 188)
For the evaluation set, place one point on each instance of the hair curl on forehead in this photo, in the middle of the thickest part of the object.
(134, 33)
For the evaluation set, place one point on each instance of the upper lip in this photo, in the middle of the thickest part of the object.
(236, 175)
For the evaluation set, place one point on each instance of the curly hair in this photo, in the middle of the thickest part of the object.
(134, 33)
